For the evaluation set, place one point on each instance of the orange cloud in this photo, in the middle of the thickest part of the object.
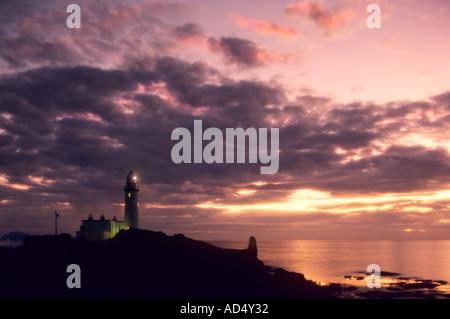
(317, 13)
(265, 27)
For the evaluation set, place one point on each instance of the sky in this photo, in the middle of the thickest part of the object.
(363, 116)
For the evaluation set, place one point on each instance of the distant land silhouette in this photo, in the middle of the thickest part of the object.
(147, 264)
(14, 236)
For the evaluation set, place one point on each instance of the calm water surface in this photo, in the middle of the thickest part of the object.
(330, 260)
(11, 244)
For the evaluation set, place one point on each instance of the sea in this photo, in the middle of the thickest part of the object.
(340, 261)
(11, 243)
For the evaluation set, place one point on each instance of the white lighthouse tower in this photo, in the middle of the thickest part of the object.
(131, 202)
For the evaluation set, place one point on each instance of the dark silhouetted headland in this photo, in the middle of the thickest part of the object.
(146, 264)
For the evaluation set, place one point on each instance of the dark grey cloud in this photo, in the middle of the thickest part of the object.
(65, 123)
(239, 51)
(187, 31)
(443, 99)
(19, 51)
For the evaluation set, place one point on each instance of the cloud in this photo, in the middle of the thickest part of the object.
(18, 51)
(79, 117)
(328, 21)
(188, 33)
(69, 135)
(243, 52)
(29, 36)
(109, 36)
(84, 117)
(264, 27)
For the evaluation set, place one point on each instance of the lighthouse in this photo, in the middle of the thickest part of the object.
(102, 229)
(131, 190)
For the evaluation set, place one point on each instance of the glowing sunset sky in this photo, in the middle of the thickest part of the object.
(363, 115)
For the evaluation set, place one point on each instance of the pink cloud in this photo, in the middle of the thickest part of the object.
(265, 27)
(317, 13)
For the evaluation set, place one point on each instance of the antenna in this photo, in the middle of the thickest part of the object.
(56, 223)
